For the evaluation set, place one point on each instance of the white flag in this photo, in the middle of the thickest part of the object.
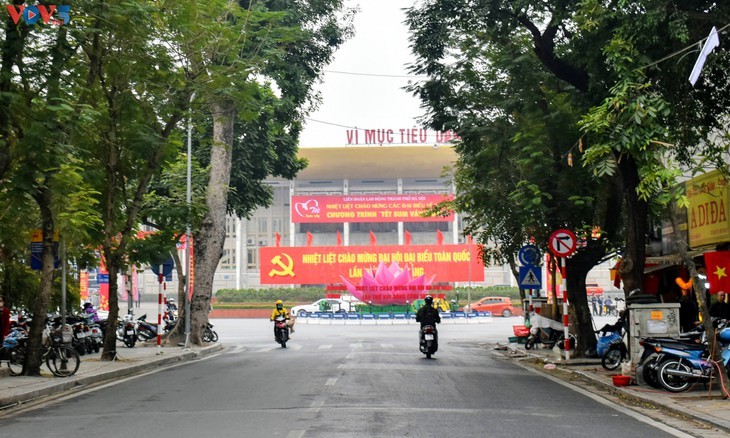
(712, 41)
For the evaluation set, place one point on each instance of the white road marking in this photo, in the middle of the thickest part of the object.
(325, 347)
(316, 406)
(331, 382)
(296, 434)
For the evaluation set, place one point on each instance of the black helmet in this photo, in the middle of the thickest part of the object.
(428, 300)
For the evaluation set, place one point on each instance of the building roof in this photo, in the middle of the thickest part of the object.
(366, 162)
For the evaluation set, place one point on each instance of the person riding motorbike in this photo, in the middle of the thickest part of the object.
(429, 315)
(90, 311)
(279, 310)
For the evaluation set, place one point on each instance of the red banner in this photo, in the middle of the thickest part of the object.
(366, 208)
(325, 264)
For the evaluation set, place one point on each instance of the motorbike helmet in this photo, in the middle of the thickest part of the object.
(87, 305)
(171, 300)
(428, 300)
(279, 304)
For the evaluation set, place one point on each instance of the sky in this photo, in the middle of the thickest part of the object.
(379, 47)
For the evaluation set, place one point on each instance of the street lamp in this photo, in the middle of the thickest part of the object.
(188, 232)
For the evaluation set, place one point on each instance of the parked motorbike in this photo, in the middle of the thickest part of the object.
(548, 337)
(127, 331)
(428, 340)
(145, 330)
(612, 350)
(209, 335)
(676, 365)
(281, 331)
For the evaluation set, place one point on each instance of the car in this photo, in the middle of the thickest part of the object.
(324, 305)
(593, 289)
(496, 305)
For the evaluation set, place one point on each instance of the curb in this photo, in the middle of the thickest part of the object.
(84, 382)
(601, 386)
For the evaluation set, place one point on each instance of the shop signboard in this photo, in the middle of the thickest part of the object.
(366, 208)
(707, 217)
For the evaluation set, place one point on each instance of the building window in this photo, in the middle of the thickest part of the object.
(231, 227)
(253, 259)
(228, 261)
(263, 225)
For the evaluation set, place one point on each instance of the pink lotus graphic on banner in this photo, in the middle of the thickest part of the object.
(389, 286)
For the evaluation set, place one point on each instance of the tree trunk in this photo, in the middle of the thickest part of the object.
(40, 304)
(210, 239)
(632, 263)
(177, 334)
(577, 268)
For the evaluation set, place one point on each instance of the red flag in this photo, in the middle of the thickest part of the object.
(439, 237)
(278, 239)
(339, 238)
(407, 237)
(309, 238)
(373, 240)
(718, 270)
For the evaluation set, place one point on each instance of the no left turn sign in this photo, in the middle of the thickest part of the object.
(562, 243)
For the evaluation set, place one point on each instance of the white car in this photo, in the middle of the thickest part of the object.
(324, 305)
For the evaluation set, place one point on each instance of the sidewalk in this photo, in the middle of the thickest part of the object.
(92, 371)
(698, 403)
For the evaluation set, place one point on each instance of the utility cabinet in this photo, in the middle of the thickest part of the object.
(656, 320)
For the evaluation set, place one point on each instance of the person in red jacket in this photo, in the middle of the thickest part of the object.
(4, 320)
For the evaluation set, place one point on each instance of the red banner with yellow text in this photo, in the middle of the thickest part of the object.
(366, 208)
(325, 264)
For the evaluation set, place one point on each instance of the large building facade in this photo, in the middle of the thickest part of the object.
(350, 172)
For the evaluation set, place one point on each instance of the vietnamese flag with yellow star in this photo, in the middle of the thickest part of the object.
(717, 264)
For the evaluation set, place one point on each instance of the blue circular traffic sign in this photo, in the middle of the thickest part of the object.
(529, 255)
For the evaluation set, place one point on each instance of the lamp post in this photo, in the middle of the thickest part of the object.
(188, 232)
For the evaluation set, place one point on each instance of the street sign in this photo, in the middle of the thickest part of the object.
(529, 255)
(530, 277)
(167, 267)
(562, 243)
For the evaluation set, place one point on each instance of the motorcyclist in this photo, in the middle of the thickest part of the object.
(279, 310)
(429, 315)
(90, 311)
(171, 310)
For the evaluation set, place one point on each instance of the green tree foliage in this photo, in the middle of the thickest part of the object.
(565, 56)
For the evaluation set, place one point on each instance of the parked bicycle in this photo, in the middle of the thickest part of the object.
(61, 360)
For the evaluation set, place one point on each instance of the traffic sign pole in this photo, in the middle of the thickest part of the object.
(566, 319)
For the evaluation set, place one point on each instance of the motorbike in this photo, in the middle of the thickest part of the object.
(677, 364)
(145, 330)
(547, 336)
(428, 340)
(611, 349)
(127, 331)
(281, 331)
(209, 335)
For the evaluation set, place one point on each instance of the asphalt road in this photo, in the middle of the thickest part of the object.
(338, 381)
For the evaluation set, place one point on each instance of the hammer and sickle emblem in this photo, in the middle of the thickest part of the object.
(286, 269)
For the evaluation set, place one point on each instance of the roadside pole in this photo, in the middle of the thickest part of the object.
(160, 277)
(566, 318)
(562, 243)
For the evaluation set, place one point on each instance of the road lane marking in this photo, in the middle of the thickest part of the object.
(331, 382)
(296, 434)
(325, 347)
(316, 406)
